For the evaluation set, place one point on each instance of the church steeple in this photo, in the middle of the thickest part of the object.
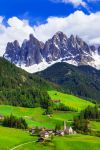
(64, 125)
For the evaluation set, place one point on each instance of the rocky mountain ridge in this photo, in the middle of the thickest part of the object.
(37, 55)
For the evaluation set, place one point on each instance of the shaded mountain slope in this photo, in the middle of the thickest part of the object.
(20, 88)
(83, 81)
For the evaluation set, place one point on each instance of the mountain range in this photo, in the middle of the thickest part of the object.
(34, 55)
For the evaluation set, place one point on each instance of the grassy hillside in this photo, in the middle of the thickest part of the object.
(95, 125)
(80, 81)
(11, 137)
(14, 137)
(69, 100)
(35, 117)
(76, 142)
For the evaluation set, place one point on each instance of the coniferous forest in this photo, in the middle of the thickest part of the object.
(19, 88)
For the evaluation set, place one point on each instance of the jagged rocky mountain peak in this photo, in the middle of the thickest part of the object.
(93, 48)
(31, 37)
(72, 37)
(60, 35)
(59, 48)
(16, 43)
(12, 51)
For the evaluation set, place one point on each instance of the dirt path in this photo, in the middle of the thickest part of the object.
(22, 145)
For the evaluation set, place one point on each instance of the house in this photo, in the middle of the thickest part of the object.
(33, 130)
(49, 115)
(44, 134)
(50, 131)
(59, 133)
(56, 101)
(1, 117)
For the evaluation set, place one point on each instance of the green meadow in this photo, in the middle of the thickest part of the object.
(35, 117)
(95, 125)
(69, 100)
(12, 137)
(73, 142)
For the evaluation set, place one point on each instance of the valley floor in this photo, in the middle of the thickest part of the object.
(14, 139)
(11, 138)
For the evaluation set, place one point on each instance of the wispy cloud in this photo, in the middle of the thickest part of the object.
(75, 3)
(93, 0)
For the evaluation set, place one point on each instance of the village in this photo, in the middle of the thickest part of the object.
(45, 134)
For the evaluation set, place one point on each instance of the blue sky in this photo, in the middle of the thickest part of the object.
(43, 18)
(39, 10)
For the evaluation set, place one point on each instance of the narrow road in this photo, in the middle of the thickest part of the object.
(22, 145)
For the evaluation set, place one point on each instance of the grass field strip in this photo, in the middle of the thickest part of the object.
(22, 145)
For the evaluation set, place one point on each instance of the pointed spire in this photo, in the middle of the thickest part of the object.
(64, 125)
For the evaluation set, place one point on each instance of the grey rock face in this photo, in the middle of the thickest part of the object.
(55, 48)
(99, 50)
(29, 53)
(13, 52)
(59, 47)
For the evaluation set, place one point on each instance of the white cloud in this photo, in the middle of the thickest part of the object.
(1, 19)
(17, 29)
(78, 23)
(86, 26)
(76, 3)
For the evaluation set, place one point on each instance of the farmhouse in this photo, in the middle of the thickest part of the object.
(43, 135)
(56, 101)
(1, 117)
(33, 130)
(59, 132)
(50, 131)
